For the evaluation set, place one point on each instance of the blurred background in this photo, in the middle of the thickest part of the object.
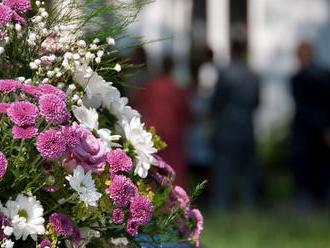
(240, 92)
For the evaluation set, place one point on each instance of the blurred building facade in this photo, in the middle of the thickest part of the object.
(273, 29)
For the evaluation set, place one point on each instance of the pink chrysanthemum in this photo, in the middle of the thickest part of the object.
(8, 85)
(3, 165)
(197, 217)
(119, 161)
(50, 89)
(51, 144)
(46, 243)
(61, 224)
(179, 196)
(23, 113)
(24, 132)
(141, 209)
(53, 108)
(71, 137)
(6, 14)
(121, 191)
(118, 216)
(21, 6)
(132, 227)
(4, 107)
(31, 90)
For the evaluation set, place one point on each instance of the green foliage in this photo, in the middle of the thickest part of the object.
(157, 140)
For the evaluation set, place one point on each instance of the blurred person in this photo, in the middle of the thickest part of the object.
(207, 75)
(235, 99)
(165, 106)
(310, 155)
(204, 74)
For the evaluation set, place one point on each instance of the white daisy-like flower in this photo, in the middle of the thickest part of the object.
(84, 185)
(142, 142)
(26, 215)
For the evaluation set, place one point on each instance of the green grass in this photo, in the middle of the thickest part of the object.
(267, 230)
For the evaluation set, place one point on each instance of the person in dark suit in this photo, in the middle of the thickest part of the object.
(310, 154)
(235, 99)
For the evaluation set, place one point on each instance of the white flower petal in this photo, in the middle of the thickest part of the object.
(86, 117)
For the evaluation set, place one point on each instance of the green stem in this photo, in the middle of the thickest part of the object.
(73, 196)
(19, 152)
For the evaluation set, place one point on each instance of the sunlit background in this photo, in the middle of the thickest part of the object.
(272, 29)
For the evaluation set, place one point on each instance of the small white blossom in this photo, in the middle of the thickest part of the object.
(18, 27)
(111, 41)
(28, 81)
(21, 79)
(76, 56)
(100, 53)
(50, 73)
(98, 60)
(2, 50)
(96, 41)
(67, 55)
(72, 87)
(7, 244)
(117, 68)
(37, 61)
(80, 102)
(8, 230)
(93, 47)
(33, 66)
(75, 98)
(89, 56)
(81, 43)
(52, 57)
(44, 14)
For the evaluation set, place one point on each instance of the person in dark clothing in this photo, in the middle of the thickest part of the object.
(311, 93)
(235, 99)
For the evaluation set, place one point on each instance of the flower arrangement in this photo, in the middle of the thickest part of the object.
(78, 168)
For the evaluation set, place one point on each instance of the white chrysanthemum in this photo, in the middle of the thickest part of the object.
(95, 86)
(143, 144)
(119, 108)
(99, 92)
(87, 117)
(85, 186)
(107, 138)
(26, 215)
